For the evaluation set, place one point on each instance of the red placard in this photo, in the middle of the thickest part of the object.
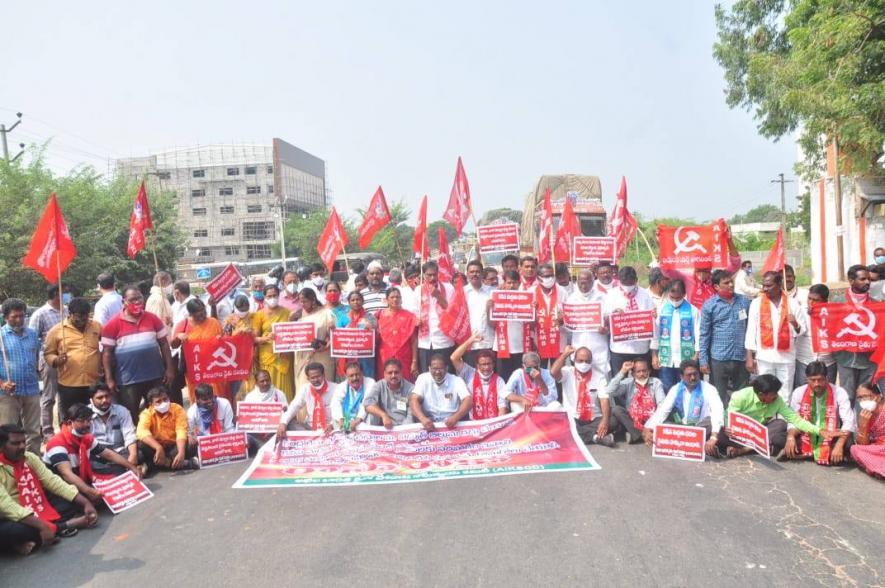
(847, 327)
(679, 442)
(632, 325)
(259, 417)
(294, 336)
(353, 343)
(513, 305)
(749, 432)
(691, 247)
(122, 492)
(222, 448)
(499, 237)
(587, 251)
(581, 317)
(225, 359)
(222, 284)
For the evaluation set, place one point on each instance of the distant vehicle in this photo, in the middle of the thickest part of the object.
(585, 192)
(366, 257)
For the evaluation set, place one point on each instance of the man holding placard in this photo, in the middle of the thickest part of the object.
(315, 396)
(596, 340)
(585, 396)
(347, 400)
(628, 297)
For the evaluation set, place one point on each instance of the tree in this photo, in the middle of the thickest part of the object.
(499, 213)
(302, 233)
(764, 213)
(97, 214)
(394, 241)
(814, 65)
(433, 233)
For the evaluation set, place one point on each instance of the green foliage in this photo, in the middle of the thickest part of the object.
(302, 234)
(97, 214)
(394, 241)
(802, 217)
(433, 233)
(497, 213)
(763, 213)
(813, 65)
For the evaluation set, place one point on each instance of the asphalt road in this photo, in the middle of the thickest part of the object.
(638, 521)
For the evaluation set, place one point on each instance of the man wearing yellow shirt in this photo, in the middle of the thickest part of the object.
(162, 434)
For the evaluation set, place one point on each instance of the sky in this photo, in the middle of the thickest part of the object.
(391, 93)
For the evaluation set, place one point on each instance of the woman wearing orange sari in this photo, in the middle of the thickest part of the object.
(199, 326)
(397, 335)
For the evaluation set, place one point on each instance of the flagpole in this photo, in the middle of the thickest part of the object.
(476, 230)
(60, 296)
(154, 250)
(344, 254)
(5, 359)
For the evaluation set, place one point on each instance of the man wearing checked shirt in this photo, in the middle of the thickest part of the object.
(19, 388)
(723, 327)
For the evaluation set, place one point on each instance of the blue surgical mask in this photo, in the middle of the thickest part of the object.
(880, 259)
(66, 298)
(749, 270)
(259, 296)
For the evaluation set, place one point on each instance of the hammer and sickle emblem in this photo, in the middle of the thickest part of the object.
(690, 243)
(222, 358)
(861, 328)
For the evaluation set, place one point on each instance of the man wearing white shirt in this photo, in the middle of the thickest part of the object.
(181, 292)
(110, 303)
(209, 415)
(658, 284)
(627, 297)
(347, 400)
(511, 337)
(605, 278)
(550, 337)
(564, 278)
(531, 385)
(596, 341)
(528, 276)
(316, 397)
(692, 402)
(485, 386)
(744, 283)
(773, 324)
(439, 396)
(676, 334)
(433, 299)
(478, 296)
(585, 396)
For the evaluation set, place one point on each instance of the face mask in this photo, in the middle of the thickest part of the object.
(241, 313)
(101, 412)
(726, 295)
(676, 302)
(167, 290)
(583, 367)
(66, 298)
(259, 296)
(880, 259)
(485, 378)
(318, 281)
(76, 433)
(207, 409)
(333, 297)
(642, 382)
(631, 289)
(271, 302)
(749, 270)
(547, 282)
(317, 387)
(290, 288)
(162, 408)
(868, 405)
(135, 308)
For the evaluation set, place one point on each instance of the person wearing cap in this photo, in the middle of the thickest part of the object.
(375, 294)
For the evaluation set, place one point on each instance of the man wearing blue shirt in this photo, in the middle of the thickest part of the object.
(721, 350)
(19, 387)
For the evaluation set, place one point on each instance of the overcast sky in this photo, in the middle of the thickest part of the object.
(391, 93)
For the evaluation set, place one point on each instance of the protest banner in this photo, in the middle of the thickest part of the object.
(259, 417)
(580, 317)
(222, 448)
(517, 443)
(122, 492)
(690, 247)
(293, 336)
(497, 238)
(222, 284)
(679, 442)
(225, 359)
(847, 327)
(750, 433)
(587, 251)
(352, 343)
(512, 305)
(632, 325)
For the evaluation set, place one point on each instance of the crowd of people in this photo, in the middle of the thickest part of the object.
(126, 402)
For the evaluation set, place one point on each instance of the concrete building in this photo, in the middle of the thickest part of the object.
(232, 199)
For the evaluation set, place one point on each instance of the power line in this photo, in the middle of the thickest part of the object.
(4, 132)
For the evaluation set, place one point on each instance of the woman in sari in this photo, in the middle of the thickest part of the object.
(199, 326)
(333, 301)
(240, 321)
(398, 335)
(356, 317)
(324, 320)
(278, 365)
(869, 442)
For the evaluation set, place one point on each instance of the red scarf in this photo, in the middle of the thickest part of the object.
(631, 299)
(765, 324)
(81, 445)
(525, 284)
(547, 328)
(489, 408)
(502, 336)
(318, 418)
(858, 299)
(531, 391)
(30, 491)
(585, 398)
(424, 329)
(823, 457)
(642, 406)
(700, 293)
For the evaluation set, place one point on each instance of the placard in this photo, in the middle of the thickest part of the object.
(222, 284)
(632, 325)
(750, 433)
(679, 442)
(588, 251)
(259, 417)
(513, 305)
(222, 448)
(498, 237)
(581, 317)
(293, 336)
(854, 328)
(225, 359)
(122, 492)
(352, 343)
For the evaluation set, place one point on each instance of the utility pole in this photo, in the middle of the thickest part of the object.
(3, 132)
(780, 180)
(837, 193)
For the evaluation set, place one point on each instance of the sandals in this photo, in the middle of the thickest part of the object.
(67, 532)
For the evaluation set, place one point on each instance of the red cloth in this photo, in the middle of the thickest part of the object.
(420, 244)
(139, 220)
(459, 207)
(546, 325)
(622, 225)
(332, 240)
(585, 398)
(30, 491)
(488, 408)
(395, 332)
(830, 422)
(642, 406)
(75, 445)
(377, 215)
(52, 250)
(318, 420)
(766, 328)
(871, 458)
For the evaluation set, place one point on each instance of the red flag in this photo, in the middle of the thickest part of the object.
(332, 240)
(52, 250)
(446, 267)
(694, 246)
(622, 226)
(569, 228)
(377, 215)
(221, 359)
(853, 328)
(420, 244)
(775, 260)
(139, 220)
(878, 357)
(455, 320)
(545, 235)
(459, 208)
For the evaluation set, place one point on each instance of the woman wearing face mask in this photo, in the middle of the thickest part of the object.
(240, 321)
(334, 303)
(199, 326)
(398, 336)
(313, 311)
(869, 442)
(158, 301)
(278, 365)
(356, 317)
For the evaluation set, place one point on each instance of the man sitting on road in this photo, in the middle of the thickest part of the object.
(264, 392)
(485, 386)
(162, 433)
(634, 397)
(209, 415)
(531, 385)
(347, 399)
(387, 402)
(112, 427)
(439, 396)
(315, 396)
(584, 396)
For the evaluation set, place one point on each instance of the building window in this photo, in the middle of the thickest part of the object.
(258, 252)
(201, 233)
(198, 193)
(270, 188)
(251, 170)
(253, 208)
(164, 175)
(270, 169)
(204, 253)
(227, 232)
(258, 231)
(253, 189)
(226, 210)
(199, 173)
(233, 171)
(226, 191)
(198, 211)
(231, 250)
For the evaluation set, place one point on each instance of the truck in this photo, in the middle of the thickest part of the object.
(585, 193)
